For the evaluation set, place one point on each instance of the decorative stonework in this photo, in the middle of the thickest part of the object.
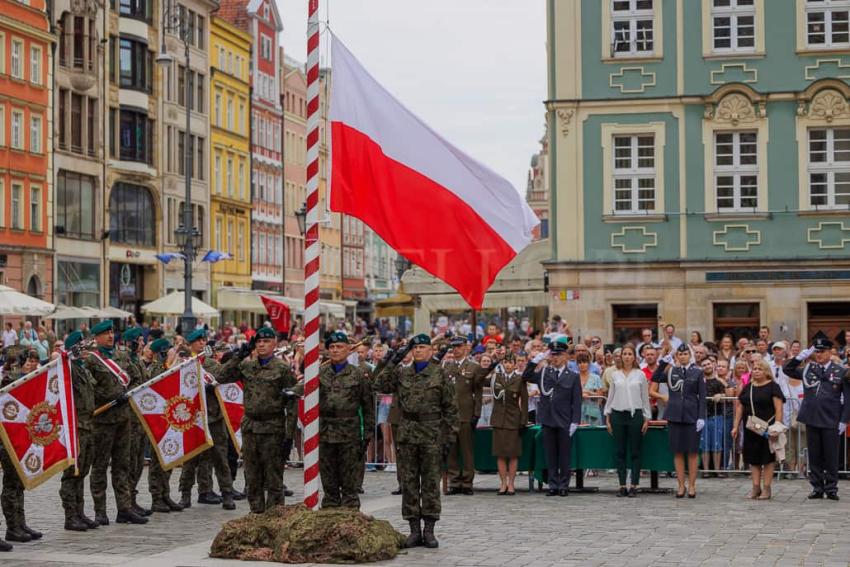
(827, 69)
(632, 80)
(829, 235)
(734, 73)
(827, 105)
(565, 115)
(736, 238)
(634, 239)
(734, 109)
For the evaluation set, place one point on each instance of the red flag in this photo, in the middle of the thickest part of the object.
(230, 398)
(38, 424)
(173, 410)
(278, 313)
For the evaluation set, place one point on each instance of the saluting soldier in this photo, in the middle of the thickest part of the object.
(509, 418)
(825, 411)
(111, 429)
(467, 377)
(264, 379)
(429, 416)
(366, 433)
(72, 488)
(215, 456)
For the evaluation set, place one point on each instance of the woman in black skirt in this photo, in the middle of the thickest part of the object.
(763, 398)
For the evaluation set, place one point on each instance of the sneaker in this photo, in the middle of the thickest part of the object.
(390, 467)
(371, 468)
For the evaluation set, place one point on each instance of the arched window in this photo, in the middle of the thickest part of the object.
(131, 215)
(34, 287)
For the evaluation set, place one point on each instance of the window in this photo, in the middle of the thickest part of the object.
(17, 129)
(35, 134)
(199, 106)
(2, 205)
(733, 23)
(2, 52)
(230, 236)
(35, 208)
(17, 56)
(199, 25)
(139, 9)
(2, 125)
(75, 204)
(17, 206)
(229, 176)
(113, 59)
(240, 125)
(35, 64)
(131, 215)
(741, 320)
(736, 170)
(632, 25)
(240, 181)
(136, 136)
(828, 23)
(136, 65)
(113, 127)
(77, 123)
(240, 247)
(181, 153)
(829, 168)
(200, 143)
(230, 113)
(266, 47)
(217, 109)
(218, 231)
(634, 174)
(91, 127)
(217, 173)
(181, 86)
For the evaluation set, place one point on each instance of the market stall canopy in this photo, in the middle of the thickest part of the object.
(172, 304)
(241, 299)
(110, 312)
(399, 305)
(13, 302)
(64, 312)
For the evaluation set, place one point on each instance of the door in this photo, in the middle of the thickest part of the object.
(741, 320)
(829, 318)
(629, 319)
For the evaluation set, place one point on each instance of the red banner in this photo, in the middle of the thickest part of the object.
(230, 398)
(279, 313)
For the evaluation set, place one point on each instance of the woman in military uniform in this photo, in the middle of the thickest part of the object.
(509, 417)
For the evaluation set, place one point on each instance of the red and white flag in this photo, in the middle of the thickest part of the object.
(38, 423)
(279, 313)
(230, 397)
(173, 410)
(432, 203)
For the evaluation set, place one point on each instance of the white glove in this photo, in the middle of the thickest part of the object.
(805, 354)
(539, 357)
(842, 428)
(668, 358)
(573, 427)
(700, 424)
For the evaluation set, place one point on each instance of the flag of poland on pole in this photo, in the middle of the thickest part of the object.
(432, 203)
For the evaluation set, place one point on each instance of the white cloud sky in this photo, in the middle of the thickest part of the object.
(474, 70)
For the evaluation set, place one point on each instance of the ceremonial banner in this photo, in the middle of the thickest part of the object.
(279, 313)
(230, 398)
(173, 410)
(38, 423)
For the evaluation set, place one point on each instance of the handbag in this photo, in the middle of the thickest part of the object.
(754, 423)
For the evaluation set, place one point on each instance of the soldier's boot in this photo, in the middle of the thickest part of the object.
(4, 546)
(237, 495)
(101, 518)
(415, 537)
(34, 534)
(227, 500)
(134, 506)
(130, 517)
(159, 506)
(209, 498)
(88, 522)
(288, 493)
(186, 499)
(17, 534)
(74, 523)
(428, 539)
(172, 505)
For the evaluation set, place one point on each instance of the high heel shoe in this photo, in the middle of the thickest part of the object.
(692, 494)
(756, 493)
(765, 494)
(502, 492)
(680, 494)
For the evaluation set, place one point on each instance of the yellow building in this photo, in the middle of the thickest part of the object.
(230, 151)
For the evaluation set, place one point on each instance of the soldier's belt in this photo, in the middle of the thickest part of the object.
(339, 413)
(432, 416)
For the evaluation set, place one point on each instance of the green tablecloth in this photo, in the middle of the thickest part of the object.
(483, 453)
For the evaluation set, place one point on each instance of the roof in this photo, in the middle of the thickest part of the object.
(235, 12)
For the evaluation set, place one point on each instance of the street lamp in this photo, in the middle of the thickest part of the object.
(402, 264)
(301, 217)
(188, 236)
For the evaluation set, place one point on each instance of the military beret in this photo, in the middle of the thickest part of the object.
(558, 347)
(547, 339)
(102, 327)
(822, 344)
(420, 339)
(683, 348)
(265, 333)
(160, 345)
(195, 335)
(131, 334)
(73, 338)
(336, 337)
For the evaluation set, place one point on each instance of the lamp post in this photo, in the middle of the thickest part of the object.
(402, 264)
(188, 236)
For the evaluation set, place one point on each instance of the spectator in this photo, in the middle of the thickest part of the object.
(761, 348)
(591, 388)
(762, 398)
(741, 375)
(714, 435)
(730, 448)
(792, 389)
(646, 339)
(696, 338)
(28, 335)
(493, 335)
(10, 337)
(764, 333)
(657, 399)
(727, 349)
(670, 336)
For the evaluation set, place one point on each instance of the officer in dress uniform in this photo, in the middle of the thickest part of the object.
(468, 380)
(558, 412)
(159, 480)
(825, 411)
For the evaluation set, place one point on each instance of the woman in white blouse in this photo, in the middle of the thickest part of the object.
(627, 414)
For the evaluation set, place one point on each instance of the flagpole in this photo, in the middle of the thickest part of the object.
(154, 380)
(310, 419)
(24, 379)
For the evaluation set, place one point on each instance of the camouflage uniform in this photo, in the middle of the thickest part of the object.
(263, 425)
(138, 374)
(468, 380)
(216, 456)
(71, 490)
(12, 496)
(368, 432)
(159, 481)
(428, 417)
(111, 438)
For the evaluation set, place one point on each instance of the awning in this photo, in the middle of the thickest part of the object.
(239, 299)
(399, 305)
(493, 300)
(13, 302)
(333, 308)
(65, 312)
(172, 304)
(114, 313)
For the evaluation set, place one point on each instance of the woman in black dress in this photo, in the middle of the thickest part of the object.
(763, 398)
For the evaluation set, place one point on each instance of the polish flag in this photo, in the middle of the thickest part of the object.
(432, 203)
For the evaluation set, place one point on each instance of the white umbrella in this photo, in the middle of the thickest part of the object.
(115, 313)
(13, 302)
(68, 312)
(172, 304)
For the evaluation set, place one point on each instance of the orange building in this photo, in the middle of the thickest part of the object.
(26, 201)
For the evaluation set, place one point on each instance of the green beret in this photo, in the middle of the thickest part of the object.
(195, 335)
(102, 327)
(336, 337)
(131, 334)
(73, 338)
(160, 345)
(265, 333)
(420, 339)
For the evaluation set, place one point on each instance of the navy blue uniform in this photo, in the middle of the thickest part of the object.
(685, 405)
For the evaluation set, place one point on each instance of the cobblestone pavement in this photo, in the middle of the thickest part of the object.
(720, 527)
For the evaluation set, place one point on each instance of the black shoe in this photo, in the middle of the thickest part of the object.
(130, 517)
(238, 495)
(396, 492)
(101, 518)
(4, 546)
(288, 493)
(140, 511)
(159, 506)
(815, 495)
(186, 499)
(361, 491)
(227, 500)
(34, 534)
(75, 524)
(466, 492)
(454, 490)
(18, 535)
(415, 537)
(552, 492)
(428, 539)
(632, 492)
(564, 492)
(209, 498)
(832, 496)
(90, 524)
(172, 505)
(622, 492)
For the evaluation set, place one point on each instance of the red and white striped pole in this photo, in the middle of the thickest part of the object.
(310, 418)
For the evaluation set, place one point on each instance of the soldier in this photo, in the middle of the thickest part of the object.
(5, 369)
(12, 497)
(111, 429)
(366, 433)
(824, 412)
(428, 419)
(159, 480)
(216, 456)
(128, 359)
(264, 379)
(468, 380)
(72, 488)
